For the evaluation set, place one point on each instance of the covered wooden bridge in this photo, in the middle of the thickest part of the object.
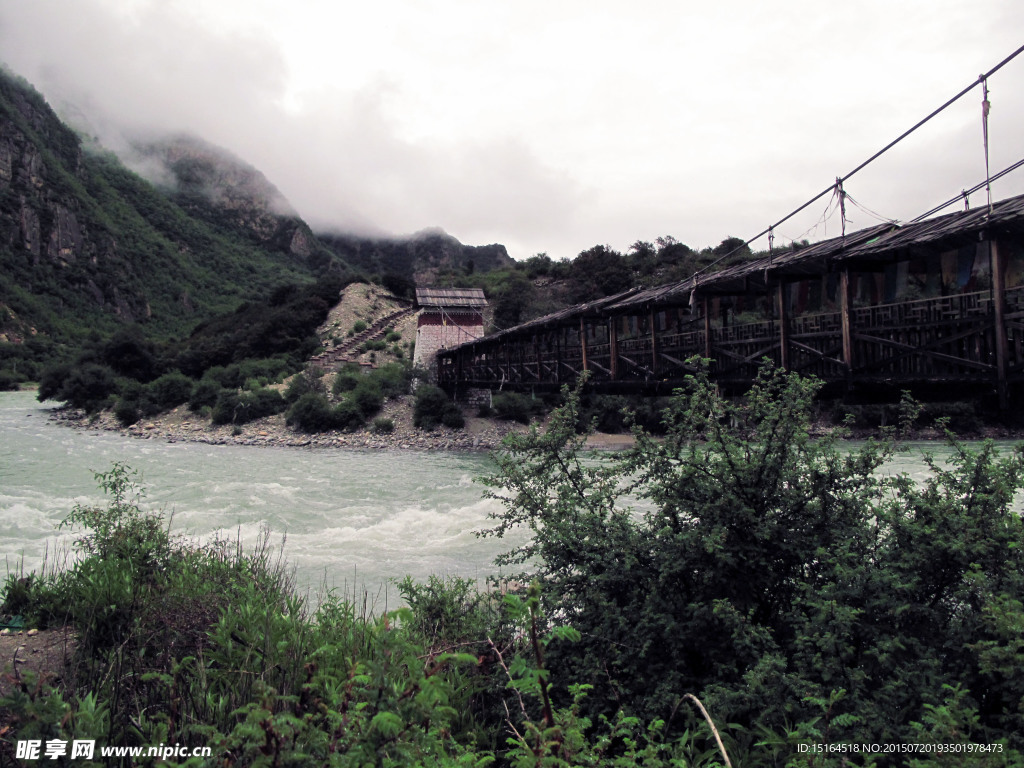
(926, 303)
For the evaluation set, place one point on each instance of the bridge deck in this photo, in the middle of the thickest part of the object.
(973, 332)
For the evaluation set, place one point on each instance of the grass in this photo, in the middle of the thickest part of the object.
(212, 645)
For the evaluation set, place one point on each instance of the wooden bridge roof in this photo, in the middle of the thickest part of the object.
(454, 298)
(576, 311)
(880, 242)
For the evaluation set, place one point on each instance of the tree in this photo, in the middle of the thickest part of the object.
(597, 272)
(734, 248)
(773, 574)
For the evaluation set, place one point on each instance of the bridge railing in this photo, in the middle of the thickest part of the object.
(938, 338)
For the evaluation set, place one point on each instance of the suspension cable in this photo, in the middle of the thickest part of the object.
(981, 79)
(985, 107)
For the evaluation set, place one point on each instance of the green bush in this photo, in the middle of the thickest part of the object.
(430, 406)
(169, 391)
(204, 394)
(617, 413)
(781, 577)
(382, 426)
(303, 383)
(452, 417)
(312, 413)
(512, 406)
(126, 411)
(393, 379)
(9, 380)
(367, 397)
(243, 407)
(359, 326)
(87, 386)
(346, 379)
(348, 415)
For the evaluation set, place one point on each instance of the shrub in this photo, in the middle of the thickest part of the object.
(453, 417)
(367, 397)
(346, 379)
(88, 387)
(312, 413)
(204, 394)
(303, 383)
(392, 337)
(512, 406)
(170, 391)
(126, 411)
(9, 380)
(429, 406)
(382, 426)
(358, 326)
(243, 407)
(348, 415)
(393, 379)
(763, 563)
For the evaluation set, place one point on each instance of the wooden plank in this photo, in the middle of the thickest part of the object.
(635, 364)
(750, 359)
(780, 301)
(677, 362)
(583, 343)
(845, 320)
(613, 348)
(654, 343)
(927, 351)
(707, 326)
(819, 355)
(999, 310)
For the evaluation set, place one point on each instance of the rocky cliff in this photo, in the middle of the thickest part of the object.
(85, 244)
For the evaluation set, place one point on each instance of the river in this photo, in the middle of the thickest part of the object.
(350, 520)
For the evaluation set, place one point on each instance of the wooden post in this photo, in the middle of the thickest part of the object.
(583, 342)
(613, 347)
(706, 304)
(536, 354)
(559, 333)
(654, 346)
(999, 317)
(846, 319)
(780, 300)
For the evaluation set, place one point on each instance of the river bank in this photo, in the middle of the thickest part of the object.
(183, 425)
(479, 434)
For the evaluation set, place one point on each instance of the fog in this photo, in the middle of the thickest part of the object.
(548, 129)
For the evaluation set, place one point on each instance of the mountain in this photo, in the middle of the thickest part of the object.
(213, 185)
(420, 257)
(177, 233)
(86, 245)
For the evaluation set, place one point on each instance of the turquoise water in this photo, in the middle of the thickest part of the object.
(348, 518)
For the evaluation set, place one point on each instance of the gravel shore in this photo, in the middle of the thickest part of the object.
(182, 425)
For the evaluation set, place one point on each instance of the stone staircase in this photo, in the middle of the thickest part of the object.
(333, 358)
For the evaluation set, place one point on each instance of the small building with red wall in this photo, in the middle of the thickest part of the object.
(447, 317)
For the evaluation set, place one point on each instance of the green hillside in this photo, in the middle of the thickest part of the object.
(87, 246)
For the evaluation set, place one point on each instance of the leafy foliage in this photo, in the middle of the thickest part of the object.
(766, 570)
(432, 408)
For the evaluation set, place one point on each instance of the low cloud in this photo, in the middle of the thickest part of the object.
(338, 157)
(546, 129)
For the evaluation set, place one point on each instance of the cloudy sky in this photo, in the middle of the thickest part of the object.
(557, 125)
